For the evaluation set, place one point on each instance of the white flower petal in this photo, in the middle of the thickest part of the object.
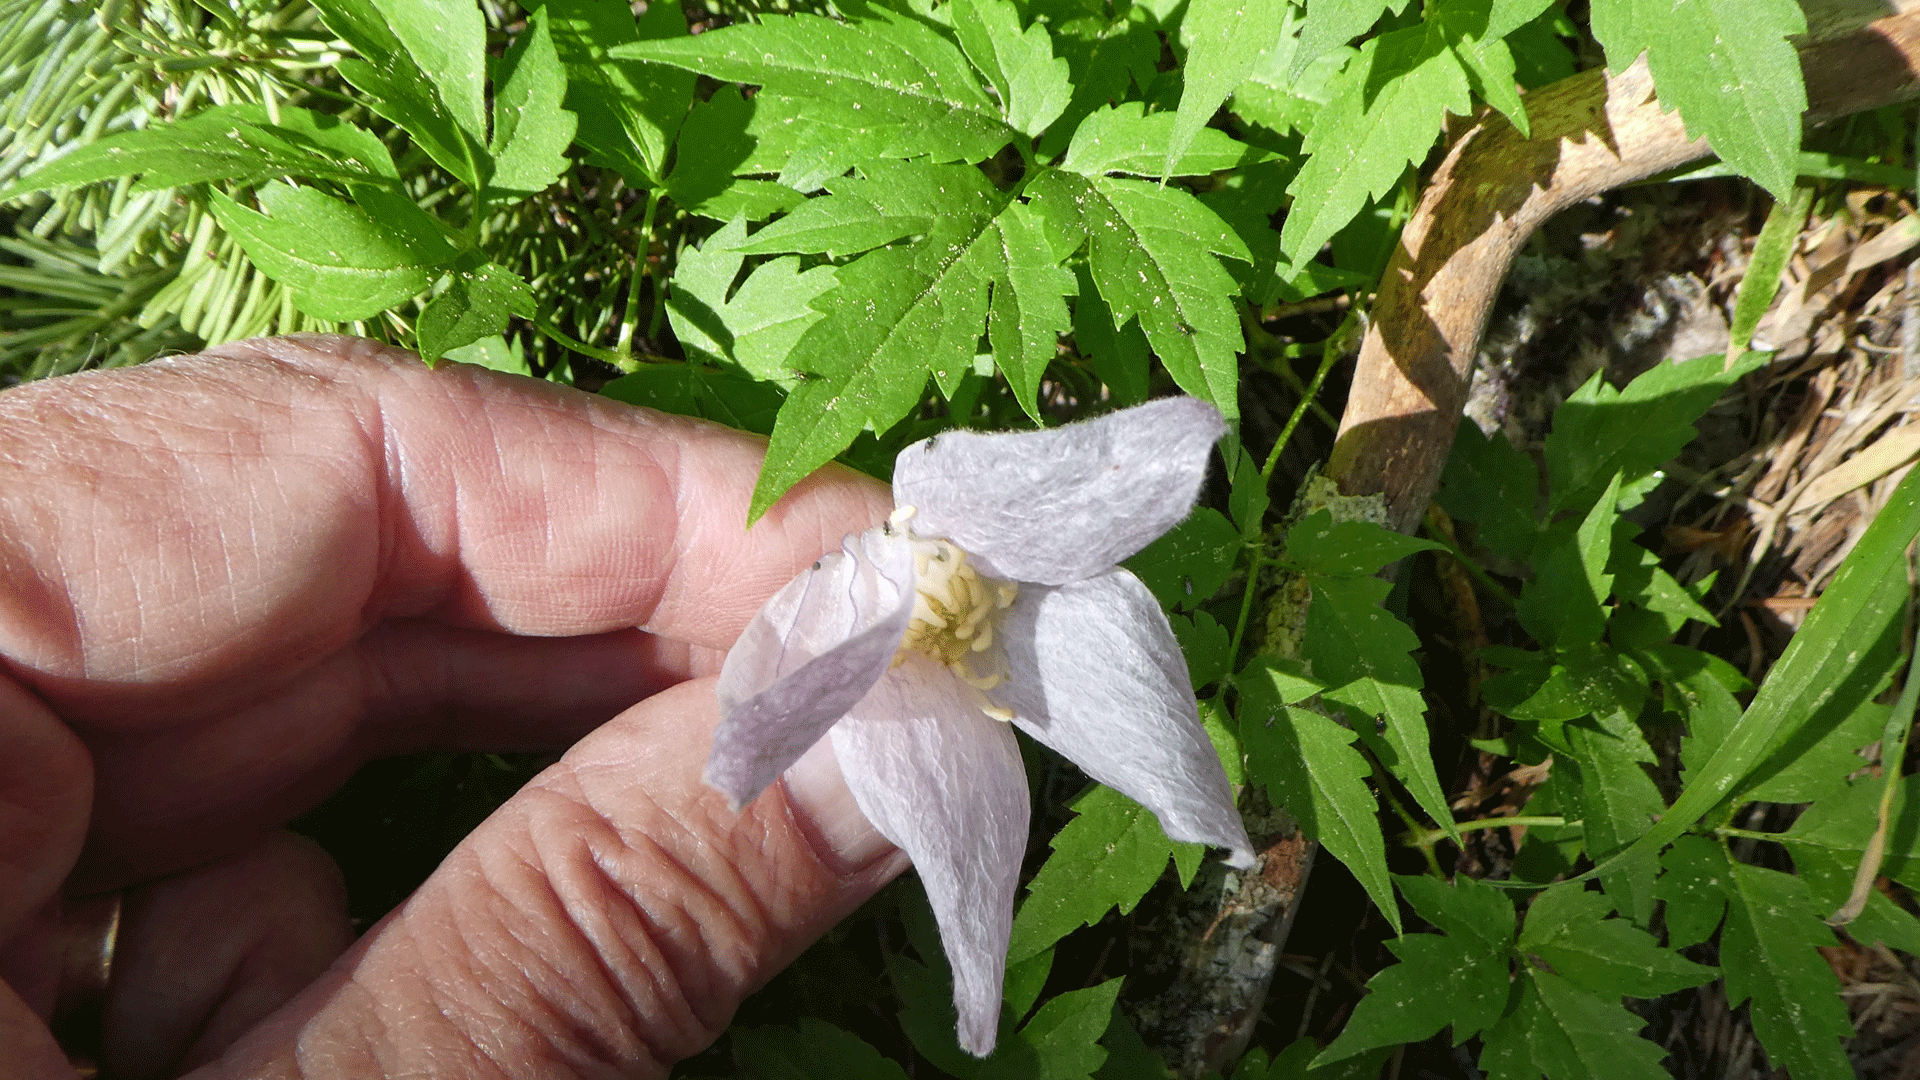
(1095, 673)
(1059, 505)
(808, 656)
(945, 783)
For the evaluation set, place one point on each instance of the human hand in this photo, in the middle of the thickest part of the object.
(227, 581)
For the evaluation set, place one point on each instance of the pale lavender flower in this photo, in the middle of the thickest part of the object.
(990, 600)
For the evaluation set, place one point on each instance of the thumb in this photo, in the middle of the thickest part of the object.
(608, 919)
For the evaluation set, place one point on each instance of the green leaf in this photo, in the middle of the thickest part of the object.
(1639, 578)
(1120, 357)
(1618, 804)
(225, 142)
(1692, 886)
(1779, 239)
(1768, 952)
(1033, 85)
(1829, 877)
(1025, 979)
(724, 137)
(1819, 667)
(1387, 109)
(1151, 252)
(1107, 857)
(1332, 23)
(1844, 819)
(1600, 431)
(475, 305)
(1728, 67)
(1274, 97)
(757, 325)
(1567, 926)
(893, 76)
(1393, 724)
(895, 316)
(1564, 605)
(531, 132)
(1225, 38)
(1282, 681)
(1460, 979)
(1105, 57)
(1308, 765)
(1494, 486)
(836, 225)
(1248, 499)
(424, 69)
(1125, 139)
(628, 111)
(1027, 310)
(813, 1049)
(1566, 1033)
(1061, 1042)
(493, 353)
(1811, 768)
(1350, 636)
(1468, 28)
(1438, 981)
(1191, 562)
(1326, 547)
(1207, 646)
(340, 262)
(1696, 692)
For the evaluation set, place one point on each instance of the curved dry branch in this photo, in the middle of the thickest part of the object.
(1591, 133)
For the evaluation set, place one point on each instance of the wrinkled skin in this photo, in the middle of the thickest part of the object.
(227, 581)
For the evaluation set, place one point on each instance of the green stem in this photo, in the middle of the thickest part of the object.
(1327, 359)
(553, 334)
(1472, 568)
(630, 320)
(1728, 832)
(1425, 839)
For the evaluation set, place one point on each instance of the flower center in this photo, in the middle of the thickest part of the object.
(954, 609)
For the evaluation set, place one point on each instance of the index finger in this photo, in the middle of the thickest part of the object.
(181, 525)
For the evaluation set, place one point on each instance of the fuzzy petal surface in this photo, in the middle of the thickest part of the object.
(1063, 504)
(1095, 673)
(944, 782)
(810, 654)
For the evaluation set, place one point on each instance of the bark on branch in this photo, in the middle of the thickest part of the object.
(1591, 133)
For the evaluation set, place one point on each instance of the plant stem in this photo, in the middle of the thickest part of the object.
(1472, 568)
(553, 334)
(630, 320)
(1327, 358)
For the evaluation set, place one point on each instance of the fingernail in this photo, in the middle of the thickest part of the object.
(824, 807)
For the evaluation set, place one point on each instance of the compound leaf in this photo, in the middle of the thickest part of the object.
(1033, 84)
(225, 142)
(1225, 38)
(1568, 927)
(628, 111)
(531, 132)
(475, 304)
(1566, 1033)
(1728, 67)
(1107, 857)
(1308, 765)
(340, 262)
(896, 78)
(1387, 108)
(1151, 251)
(1769, 953)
